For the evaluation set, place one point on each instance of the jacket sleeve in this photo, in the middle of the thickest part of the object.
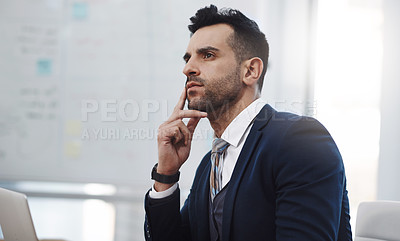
(164, 221)
(310, 184)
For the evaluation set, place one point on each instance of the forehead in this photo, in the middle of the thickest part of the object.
(214, 35)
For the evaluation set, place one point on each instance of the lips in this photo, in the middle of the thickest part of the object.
(193, 84)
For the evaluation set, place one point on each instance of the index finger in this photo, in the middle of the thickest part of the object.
(181, 101)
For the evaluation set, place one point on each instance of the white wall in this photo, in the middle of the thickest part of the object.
(389, 160)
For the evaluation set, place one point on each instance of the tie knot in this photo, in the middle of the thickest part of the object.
(219, 145)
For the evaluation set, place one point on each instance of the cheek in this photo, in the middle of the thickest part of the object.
(218, 69)
(215, 72)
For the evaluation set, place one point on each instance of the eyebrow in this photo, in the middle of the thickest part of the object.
(203, 50)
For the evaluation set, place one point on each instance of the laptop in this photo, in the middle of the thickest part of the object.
(15, 218)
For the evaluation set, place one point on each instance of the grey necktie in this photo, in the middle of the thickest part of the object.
(218, 148)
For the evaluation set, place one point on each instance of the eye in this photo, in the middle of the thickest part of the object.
(208, 55)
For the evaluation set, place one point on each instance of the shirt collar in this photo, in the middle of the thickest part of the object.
(236, 129)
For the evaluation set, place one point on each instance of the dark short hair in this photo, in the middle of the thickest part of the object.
(247, 41)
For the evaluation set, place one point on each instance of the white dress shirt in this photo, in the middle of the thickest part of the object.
(235, 134)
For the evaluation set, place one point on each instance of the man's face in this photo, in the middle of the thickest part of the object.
(213, 74)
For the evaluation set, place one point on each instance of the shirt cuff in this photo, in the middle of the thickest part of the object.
(158, 195)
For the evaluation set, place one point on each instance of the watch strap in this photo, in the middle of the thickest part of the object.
(166, 179)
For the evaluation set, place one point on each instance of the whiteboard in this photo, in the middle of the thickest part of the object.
(84, 86)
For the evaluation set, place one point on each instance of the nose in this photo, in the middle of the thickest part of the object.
(191, 68)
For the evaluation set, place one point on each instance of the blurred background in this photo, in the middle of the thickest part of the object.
(84, 86)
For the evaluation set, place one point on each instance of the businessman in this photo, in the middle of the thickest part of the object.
(269, 176)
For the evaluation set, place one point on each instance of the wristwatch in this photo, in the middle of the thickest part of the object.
(166, 179)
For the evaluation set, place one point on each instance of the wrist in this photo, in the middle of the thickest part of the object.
(167, 172)
(159, 187)
(164, 170)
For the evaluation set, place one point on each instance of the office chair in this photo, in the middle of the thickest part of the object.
(378, 221)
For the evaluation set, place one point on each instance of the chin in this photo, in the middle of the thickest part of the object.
(197, 105)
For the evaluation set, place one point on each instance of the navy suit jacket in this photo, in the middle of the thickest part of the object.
(288, 184)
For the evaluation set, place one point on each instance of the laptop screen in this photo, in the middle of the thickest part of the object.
(15, 217)
(1, 233)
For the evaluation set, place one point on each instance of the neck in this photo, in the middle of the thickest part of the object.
(221, 118)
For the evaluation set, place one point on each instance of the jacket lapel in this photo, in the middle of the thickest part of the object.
(202, 203)
(250, 145)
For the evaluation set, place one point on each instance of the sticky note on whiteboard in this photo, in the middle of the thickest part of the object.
(80, 10)
(72, 149)
(44, 66)
(73, 128)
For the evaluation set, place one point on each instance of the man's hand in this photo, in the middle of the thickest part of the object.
(174, 140)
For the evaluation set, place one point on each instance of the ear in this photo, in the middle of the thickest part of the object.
(252, 71)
